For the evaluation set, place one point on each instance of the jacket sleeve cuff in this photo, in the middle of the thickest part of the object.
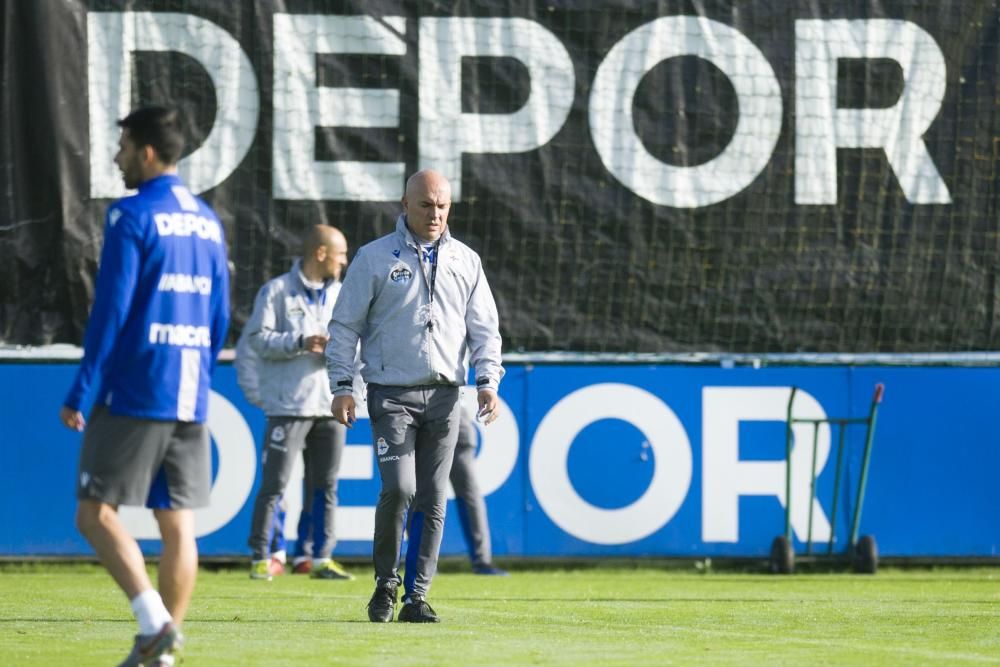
(487, 383)
(342, 387)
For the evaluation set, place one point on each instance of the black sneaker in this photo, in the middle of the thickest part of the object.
(383, 603)
(417, 611)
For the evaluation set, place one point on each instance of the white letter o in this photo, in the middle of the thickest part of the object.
(550, 476)
(613, 128)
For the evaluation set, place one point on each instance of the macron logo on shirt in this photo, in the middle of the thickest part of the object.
(181, 335)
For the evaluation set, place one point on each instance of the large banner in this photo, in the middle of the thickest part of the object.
(638, 177)
(644, 460)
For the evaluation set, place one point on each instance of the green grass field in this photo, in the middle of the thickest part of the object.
(625, 614)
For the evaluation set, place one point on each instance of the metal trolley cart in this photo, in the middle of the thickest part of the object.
(862, 553)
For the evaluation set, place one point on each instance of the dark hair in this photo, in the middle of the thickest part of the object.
(158, 127)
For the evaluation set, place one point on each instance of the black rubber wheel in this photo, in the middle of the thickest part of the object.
(866, 555)
(782, 557)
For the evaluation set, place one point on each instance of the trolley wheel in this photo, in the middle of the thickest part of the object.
(866, 555)
(782, 557)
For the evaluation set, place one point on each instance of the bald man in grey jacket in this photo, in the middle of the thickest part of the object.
(418, 301)
(287, 332)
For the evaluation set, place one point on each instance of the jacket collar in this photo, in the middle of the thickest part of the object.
(308, 284)
(408, 238)
(163, 180)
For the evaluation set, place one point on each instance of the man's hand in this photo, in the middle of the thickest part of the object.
(343, 410)
(72, 419)
(489, 406)
(315, 344)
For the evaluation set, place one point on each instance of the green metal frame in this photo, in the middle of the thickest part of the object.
(842, 423)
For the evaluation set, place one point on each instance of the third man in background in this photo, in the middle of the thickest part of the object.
(470, 502)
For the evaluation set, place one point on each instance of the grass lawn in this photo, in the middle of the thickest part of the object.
(55, 614)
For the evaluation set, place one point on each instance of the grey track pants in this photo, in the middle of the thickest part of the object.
(285, 439)
(415, 430)
(470, 504)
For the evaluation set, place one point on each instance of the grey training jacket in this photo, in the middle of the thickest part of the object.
(291, 382)
(247, 377)
(406, 338)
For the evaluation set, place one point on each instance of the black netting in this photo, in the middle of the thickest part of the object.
(578, 260)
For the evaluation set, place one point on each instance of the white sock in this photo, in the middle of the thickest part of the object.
(279, 556)
(149, 610)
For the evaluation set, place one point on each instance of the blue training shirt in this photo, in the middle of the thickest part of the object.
(161, 306)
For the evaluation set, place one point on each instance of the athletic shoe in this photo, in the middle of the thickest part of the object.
(488, 569)
(260, 569)
(158, 649)
(383, 603)
(304, 566)
(417, 611)
(277, 567)
(331, 569)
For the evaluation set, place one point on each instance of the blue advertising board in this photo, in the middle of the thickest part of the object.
(597, 460)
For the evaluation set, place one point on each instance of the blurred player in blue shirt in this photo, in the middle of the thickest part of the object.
(159, 318)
